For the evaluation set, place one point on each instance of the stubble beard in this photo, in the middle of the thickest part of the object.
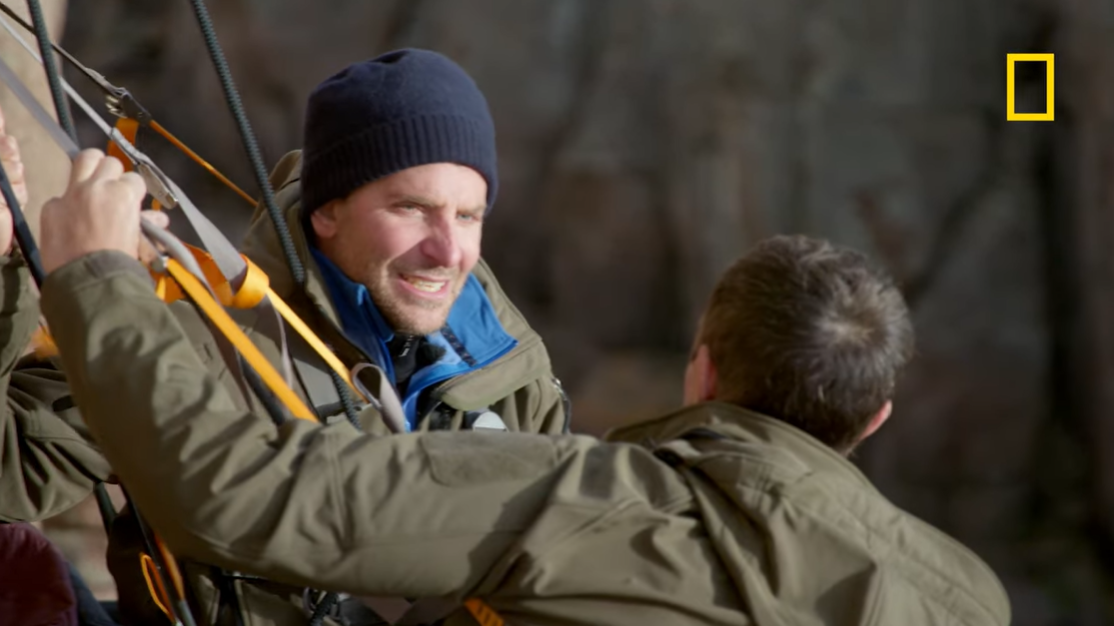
(409, 314)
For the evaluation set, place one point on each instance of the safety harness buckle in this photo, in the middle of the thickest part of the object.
(122, 103)
(156, 186)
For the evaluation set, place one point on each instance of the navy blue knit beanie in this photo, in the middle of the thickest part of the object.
(399, 110)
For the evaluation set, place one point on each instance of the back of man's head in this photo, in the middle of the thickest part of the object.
(808, 333)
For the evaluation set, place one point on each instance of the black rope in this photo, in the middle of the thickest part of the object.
(345, 399)
(266, 398)
(22, 231)
(252, 148)
(332, 599)
(277, 218)
(178, 604)
(323, 608)
(107, 509)
(61, 105)
(250, 145)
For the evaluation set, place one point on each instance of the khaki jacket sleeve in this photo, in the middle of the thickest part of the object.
(546, 409)
(555, 408)
(411, 515)
(47, 462)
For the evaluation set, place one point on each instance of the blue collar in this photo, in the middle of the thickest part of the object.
(472, 338)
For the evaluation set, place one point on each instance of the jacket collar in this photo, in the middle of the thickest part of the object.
(472, 321)
(733, 423)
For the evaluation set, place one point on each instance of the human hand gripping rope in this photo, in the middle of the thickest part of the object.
(179, 270)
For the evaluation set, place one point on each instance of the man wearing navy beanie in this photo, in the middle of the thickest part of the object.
(386, 204)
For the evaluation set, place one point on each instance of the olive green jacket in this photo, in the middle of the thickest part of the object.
(47, 461)
(712, 515)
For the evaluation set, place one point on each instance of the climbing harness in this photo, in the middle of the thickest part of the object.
(211, 279)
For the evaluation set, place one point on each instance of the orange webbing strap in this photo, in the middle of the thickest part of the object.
(154, 584)
(155, 126)
(171, 567)
(42, 344)
(255, 287)
(484, 614)
(225, 324)
(313, 340)
(129, 128)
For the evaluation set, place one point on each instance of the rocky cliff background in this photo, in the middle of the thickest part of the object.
(644, 144)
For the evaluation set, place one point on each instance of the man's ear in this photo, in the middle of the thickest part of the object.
(700, 377)
(879, 418)
(324, 220)
(711, 375)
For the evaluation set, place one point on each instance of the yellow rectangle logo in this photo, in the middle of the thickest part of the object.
(1049, 94)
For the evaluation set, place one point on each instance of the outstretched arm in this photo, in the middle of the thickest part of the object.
(302, 503)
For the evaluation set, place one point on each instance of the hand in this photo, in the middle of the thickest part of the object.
(147, 252)
(99, 211)
(13, 166)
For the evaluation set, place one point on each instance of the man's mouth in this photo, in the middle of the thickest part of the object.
(425, 285)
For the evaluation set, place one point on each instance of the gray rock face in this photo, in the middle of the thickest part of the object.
(644, 144)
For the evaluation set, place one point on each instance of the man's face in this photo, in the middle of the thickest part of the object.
(411, 238)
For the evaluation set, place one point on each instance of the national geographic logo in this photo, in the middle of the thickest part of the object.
(1049, 91)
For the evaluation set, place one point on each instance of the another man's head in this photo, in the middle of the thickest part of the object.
(398, 172)
(806, 332)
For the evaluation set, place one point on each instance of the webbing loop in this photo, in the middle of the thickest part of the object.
(228, 327)
(155, 585)
(253, 289)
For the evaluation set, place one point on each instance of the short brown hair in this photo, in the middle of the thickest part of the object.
(808, 333)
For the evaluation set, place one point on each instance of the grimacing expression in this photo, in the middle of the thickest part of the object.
(411, 238)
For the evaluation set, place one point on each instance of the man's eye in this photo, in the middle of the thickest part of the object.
(468, 217)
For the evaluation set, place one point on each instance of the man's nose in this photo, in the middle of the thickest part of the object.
(442, 244)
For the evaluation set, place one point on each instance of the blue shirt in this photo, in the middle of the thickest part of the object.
(472, 321)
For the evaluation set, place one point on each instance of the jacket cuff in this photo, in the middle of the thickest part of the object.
(13, 260)
(64, 282)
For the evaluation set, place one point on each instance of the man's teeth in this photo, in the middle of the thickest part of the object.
(426, 285)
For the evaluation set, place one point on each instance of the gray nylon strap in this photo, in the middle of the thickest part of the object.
(272, 321)
(37, 111)
(374, 384)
